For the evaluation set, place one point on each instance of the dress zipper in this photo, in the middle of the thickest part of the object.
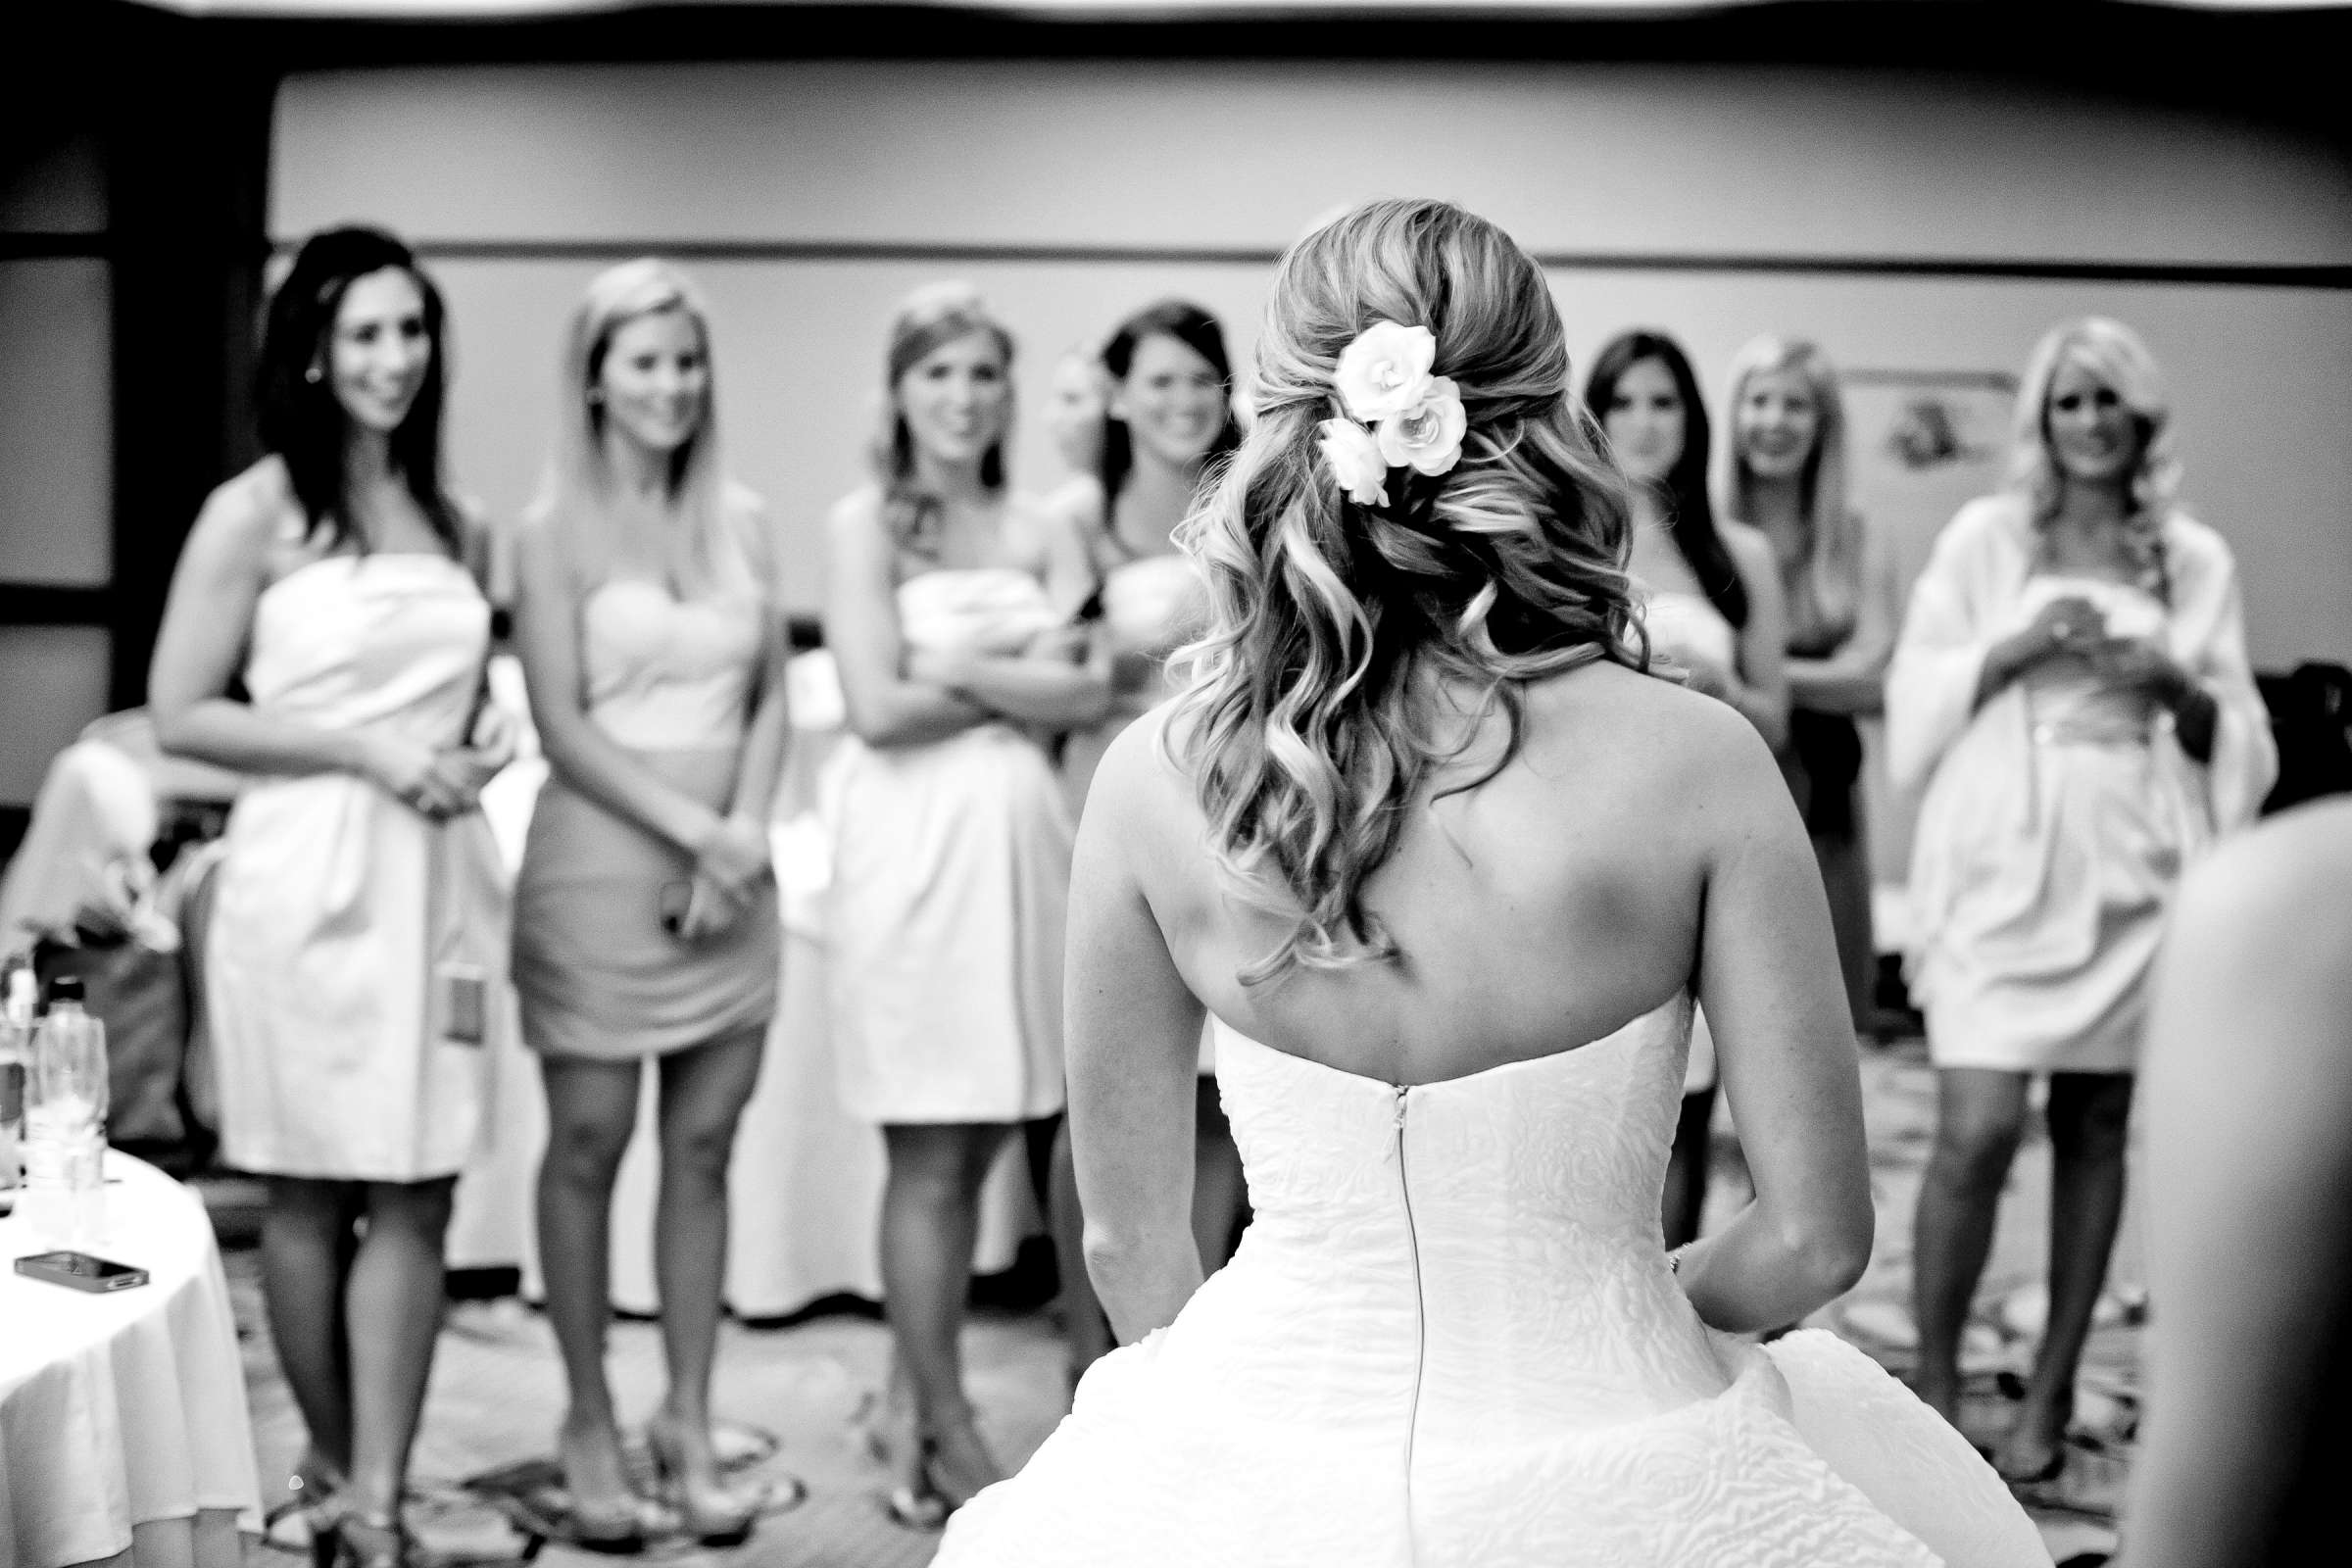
(1412, 1236)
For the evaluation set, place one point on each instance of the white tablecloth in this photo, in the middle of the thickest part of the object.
(123, 1435)
(804, 1198)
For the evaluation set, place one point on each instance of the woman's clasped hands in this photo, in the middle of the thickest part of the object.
(439, 782)
(729, 867)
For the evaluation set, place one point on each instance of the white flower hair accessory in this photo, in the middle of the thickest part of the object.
(1399, 416)
(1356, 462)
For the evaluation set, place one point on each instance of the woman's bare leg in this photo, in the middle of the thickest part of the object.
(1980, 1120)
(930, 1223)
(591, 1114)
(2088, 1117)
(393, 1302)
(703, 1095)
(309, 1236)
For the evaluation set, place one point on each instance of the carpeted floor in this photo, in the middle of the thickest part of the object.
(496, 1391)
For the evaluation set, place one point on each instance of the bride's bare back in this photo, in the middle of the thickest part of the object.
(1540, 910)
(1641, 841)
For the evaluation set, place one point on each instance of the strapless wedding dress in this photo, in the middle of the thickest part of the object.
(1450, 1338)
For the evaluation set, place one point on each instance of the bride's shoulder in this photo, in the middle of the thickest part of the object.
(1645, 734)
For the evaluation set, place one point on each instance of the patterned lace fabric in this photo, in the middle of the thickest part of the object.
(1450, 1338)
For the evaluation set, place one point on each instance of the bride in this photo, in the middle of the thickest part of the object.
(1447, 869)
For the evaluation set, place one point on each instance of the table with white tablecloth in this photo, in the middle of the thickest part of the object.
(806, 1190)
(123, 1433)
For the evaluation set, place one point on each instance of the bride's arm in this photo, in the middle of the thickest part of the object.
(1768, 977)
(1132, 1054)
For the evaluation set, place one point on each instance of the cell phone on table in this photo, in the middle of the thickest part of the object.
(670, 905)
(79, 1271)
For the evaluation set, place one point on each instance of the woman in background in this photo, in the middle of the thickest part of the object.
(1711, 602)
(1787, 479)
(1074, 402)
(948, 610)
(1169, 419)
(357, 925)
(2070, 686)
(651, 628)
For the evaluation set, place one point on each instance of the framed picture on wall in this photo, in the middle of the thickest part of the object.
(1919, 444)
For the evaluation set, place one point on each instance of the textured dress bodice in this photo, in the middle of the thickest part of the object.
(1496, 1236)
(1450, 1338)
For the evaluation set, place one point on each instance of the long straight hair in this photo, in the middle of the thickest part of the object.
(1690, 512)
(300, 417)
(696, 551)
(1831, 574)
(1197, 330)
(1309, 722)
(930, 318)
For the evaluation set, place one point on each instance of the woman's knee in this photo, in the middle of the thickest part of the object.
(585, 1149)
(938, 1166)
(700, 1146)
(2090, 1114)
(1977, 1136)
(416, 1206)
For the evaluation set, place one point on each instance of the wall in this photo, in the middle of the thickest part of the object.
(809, 198)
(56, 451)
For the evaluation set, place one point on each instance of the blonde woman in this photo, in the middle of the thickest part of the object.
(650, 627)
(2070, 687)
(1442, 866)
(948, 611)
(1786, 478)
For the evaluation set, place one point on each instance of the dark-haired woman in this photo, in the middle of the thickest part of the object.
(1712, 604)
(357, 929)
(948, 611)
(1168, 416)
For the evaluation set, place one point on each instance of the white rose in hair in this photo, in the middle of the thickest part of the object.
(1385, 371)
(1426, 437)
(1355, 461)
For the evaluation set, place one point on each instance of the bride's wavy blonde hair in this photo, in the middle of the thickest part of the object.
(1312, 717)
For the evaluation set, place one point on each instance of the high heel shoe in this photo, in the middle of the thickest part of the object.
(358, 1541)
(710, 1512)
(617, 1526)
(958, 1464)
(953, 1467)
(303, 1520)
